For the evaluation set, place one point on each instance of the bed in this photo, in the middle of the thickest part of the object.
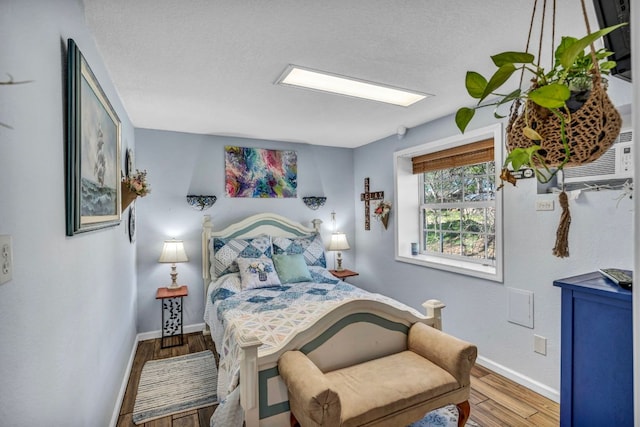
(267, 291)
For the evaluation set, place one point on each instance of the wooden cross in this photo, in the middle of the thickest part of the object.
(367, 197)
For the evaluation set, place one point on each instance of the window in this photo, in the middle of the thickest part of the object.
(447, 202)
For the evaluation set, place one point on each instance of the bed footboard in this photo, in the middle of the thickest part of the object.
(355, 332)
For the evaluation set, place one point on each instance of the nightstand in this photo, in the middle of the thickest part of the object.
(343, 274)
(171, 303)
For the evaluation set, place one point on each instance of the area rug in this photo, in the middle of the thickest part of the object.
(177, 384)
(443, 417)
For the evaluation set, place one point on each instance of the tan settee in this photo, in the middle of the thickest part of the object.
(394, 390)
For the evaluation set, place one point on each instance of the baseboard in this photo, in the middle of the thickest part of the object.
(519, 378)
(123, 386)
(198, 327)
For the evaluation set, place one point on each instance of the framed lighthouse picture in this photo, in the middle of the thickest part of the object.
(93, 169)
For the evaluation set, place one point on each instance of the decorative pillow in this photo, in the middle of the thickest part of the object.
(310, 247)
(227, 251)
(291, 268)
(257, 273)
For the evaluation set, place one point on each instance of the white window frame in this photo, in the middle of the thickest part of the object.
(408, 199)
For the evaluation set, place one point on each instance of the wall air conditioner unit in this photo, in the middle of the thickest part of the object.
(614, 165)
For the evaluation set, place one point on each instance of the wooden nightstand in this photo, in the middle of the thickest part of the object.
(171, 303)
(343, 274)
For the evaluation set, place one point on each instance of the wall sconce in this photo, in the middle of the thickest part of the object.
(339, 243)
(314, 202)
(173, 252)
(201, 202)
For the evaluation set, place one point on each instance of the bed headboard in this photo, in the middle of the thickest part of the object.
(265, 223)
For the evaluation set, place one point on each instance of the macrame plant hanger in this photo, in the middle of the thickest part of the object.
(584, 128)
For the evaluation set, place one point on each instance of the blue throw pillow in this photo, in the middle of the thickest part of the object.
(225, 252)
(291, 268)
(311, 248)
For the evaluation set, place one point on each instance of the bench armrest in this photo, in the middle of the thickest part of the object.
(452, 354)
(310, 397)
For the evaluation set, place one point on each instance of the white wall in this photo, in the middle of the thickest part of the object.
(601, 235)
(179, 164)
(67, 319)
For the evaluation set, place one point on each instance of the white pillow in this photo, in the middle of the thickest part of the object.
(257, 273)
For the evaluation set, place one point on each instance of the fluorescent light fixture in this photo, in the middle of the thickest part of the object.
(333, 83)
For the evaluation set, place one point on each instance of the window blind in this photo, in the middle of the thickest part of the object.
(468, 154)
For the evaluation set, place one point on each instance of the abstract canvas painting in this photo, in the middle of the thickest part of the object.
(260, 173)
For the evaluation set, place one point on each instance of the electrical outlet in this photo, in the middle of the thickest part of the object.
(6, 259)
(540, 345)
(544, 205)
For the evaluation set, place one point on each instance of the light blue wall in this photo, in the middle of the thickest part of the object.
(601, 235)
(67, 319)
(179, 164)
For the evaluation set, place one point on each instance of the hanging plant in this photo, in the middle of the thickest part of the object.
(564, 118)
(546, 129)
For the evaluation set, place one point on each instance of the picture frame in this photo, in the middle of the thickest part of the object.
(260, 173)
(129, 163)
(132, 222)
(93, 158)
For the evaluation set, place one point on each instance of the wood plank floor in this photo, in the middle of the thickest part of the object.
(495, 400)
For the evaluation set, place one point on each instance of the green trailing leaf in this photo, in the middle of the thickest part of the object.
(511, 97)
(475, 83)
(571, 52)
(565, 43)
(607, 65)
(517, 158)
(512, 58)
(507, 99)
(463, 117)
(531, 134)
(550, 96)
(498, 79)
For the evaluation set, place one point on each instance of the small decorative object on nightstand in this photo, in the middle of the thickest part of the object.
(173, 252)
(343, 274)
(171, 302)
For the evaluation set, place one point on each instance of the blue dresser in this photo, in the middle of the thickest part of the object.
(596, 385)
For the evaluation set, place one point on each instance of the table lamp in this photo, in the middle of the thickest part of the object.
(173, 252)
(338, 243)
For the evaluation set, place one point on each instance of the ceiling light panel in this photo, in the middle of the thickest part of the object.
(333, 83)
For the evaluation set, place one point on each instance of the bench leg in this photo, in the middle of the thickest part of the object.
(293, 422)
(464, 410)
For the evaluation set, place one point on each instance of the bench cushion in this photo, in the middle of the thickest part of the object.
(381, 387)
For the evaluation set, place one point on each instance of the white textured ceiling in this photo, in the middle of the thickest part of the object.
(209, 66)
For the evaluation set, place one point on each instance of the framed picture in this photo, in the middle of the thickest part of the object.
(128, 163)
(132, 222)
(93, 156)
(260, 173)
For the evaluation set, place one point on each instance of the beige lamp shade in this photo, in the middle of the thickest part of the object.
(339, 243)
(173, 252)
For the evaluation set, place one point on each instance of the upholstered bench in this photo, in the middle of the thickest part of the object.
(395, 390)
